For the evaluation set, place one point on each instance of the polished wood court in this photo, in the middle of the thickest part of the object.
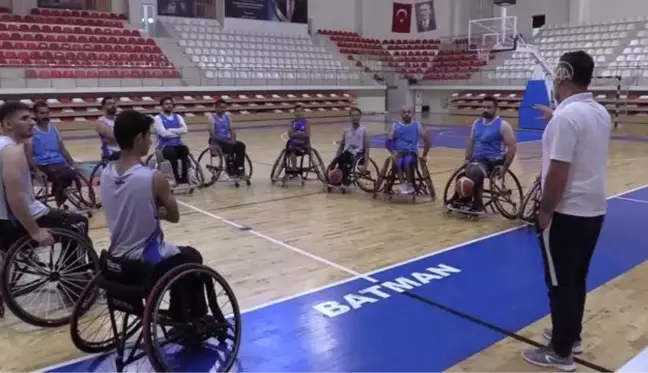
(305, 238)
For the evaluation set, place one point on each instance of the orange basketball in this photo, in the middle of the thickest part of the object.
(465, 187)
(335, 176)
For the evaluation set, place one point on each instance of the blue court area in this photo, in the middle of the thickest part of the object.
(456, 137)
(427, 314)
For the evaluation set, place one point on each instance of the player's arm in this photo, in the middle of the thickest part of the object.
(392, 137)
(64, 151)
(183, 127)
(29, 155)
(511, 143)
(340, 145)
(167, 204)
(211, 127)
(561, 152)
(13, 162)
(104, 131)
(471, 144)
(366, 146)
(427, 144)
(160, 129)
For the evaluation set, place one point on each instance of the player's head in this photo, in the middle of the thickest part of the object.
(167, 104)
(109, 105)
(41, 112)
(406, 114)
(425, 10)
(573, 74)
(299, 111)
(355, 115)
(133, 132)
(15, 120)
(490, 107)
(221, 106)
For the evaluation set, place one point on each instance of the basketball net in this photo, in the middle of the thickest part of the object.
(483, 53)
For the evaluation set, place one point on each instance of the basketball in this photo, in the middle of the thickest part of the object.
(465, 187)
(335, 176)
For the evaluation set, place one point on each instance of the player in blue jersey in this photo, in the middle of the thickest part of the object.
(403, 138)
(47, 156)
(491, 150)
(298, 137)
(222, 134)
(170, 127)
(104, 128)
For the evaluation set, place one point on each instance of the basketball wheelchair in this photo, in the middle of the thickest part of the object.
(195, 173)
(81, 194)
(497, 193)
(315, 165)
(361, 173)
(145, 315)
(531, 203)
(49, 279)
(215, 162)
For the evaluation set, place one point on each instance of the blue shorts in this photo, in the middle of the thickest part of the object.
(406, 159)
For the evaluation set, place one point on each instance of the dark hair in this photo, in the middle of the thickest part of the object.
(355, 109)
(220, 101)
(299, 106)
(165, 99)
(103, 100)
(10, 108)
(490, 99)
(38, 105)
(580, 66)
(129, 124)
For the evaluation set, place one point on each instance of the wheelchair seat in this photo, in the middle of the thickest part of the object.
(216, 161)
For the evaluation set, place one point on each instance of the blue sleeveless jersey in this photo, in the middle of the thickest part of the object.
(173, 122)
(46, 146)
(107, 150)
(222, 126)
(406, 137)
(489, 143)
(299, 125)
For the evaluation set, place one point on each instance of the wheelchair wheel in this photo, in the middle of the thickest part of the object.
(531, 204)
(278, 168)
(365, 173)
(100, 333)
(221, 330)
(213, 160)
(507, 198)
(81, 194)
(426, 186)
(317, 165)
(383, 177)
(449, 191)
(39, 277)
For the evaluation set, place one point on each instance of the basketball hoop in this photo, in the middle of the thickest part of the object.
(483, 53)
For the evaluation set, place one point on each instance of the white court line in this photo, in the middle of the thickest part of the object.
(632, 199)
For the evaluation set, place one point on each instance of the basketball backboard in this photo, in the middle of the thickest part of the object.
(498, 34)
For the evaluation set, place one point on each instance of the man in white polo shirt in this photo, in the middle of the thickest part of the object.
(574, 161)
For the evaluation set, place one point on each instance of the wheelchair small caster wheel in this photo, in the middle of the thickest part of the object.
(329, 189)
(248, 182)
(237, 184)
(89, 215)
(343, 191)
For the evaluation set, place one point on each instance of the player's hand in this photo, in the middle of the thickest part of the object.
(394, 157)
(547, 112)
(40, 177)
(162, 213)
(499, 172)
(423, 159)
(43, 237)
(543, 220)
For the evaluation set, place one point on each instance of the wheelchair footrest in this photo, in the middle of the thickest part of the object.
(467, 210)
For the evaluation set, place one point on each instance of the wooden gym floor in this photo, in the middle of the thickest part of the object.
(301, 267)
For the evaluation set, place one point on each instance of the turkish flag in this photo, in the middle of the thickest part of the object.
(402, 18)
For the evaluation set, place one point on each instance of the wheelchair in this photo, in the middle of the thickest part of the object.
(498, 195)
(136, 324)
(361, 173)
(36, 277)
(387, 179)
(81, 194)
(216, 161)
(531, 204)
(281, 165)
(195, 173)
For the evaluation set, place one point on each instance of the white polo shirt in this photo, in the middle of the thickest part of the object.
(579, 133)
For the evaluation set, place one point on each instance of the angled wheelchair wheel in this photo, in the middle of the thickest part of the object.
(317, 165)
(40, 285)
(81, 194)
(279, 167)
(365, 173)
(218, 334)
(95, 326)
(531, 204)
(213, 162)
(95, 180)
(426, 184)
(195, 173)
(449, 190)
(507, 195)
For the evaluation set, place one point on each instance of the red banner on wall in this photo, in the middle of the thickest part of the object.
(402, 18)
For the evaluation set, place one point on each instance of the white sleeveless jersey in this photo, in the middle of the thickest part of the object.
(354, 140)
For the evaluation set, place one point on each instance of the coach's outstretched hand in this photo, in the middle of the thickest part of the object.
(547, 112)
